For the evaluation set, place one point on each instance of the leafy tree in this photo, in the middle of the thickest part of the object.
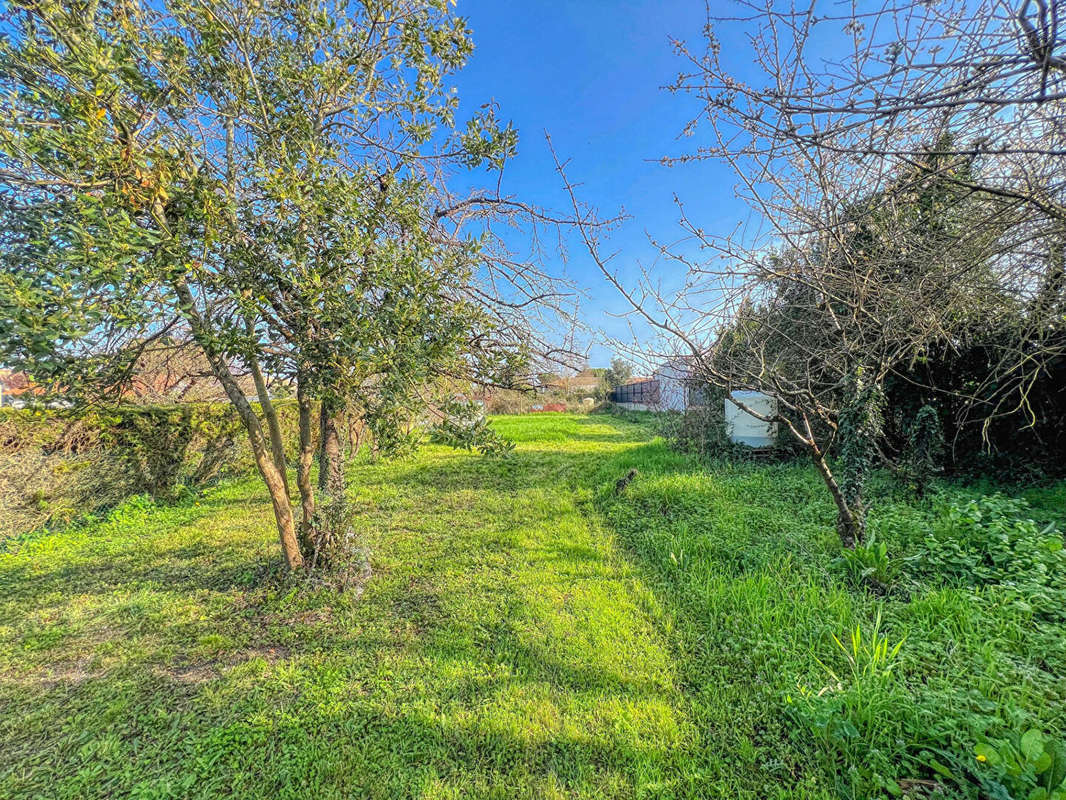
(619, 372)
(265, 178)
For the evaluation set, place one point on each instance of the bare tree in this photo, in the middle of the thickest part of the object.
(904, 166)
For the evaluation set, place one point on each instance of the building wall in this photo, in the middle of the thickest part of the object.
(674, 394)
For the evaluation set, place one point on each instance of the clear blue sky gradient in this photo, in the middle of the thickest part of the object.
(590, 73)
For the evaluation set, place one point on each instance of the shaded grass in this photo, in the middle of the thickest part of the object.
(746, 559)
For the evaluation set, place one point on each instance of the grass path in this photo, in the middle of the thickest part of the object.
(504, 647)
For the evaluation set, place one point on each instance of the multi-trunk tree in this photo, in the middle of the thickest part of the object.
(267, 179)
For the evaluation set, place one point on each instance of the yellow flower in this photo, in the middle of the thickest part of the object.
(981, 758)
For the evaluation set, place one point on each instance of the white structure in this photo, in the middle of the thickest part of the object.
(743, 427)
(678, 392)
(675, 391)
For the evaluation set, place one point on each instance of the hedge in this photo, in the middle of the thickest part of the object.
(56, 465)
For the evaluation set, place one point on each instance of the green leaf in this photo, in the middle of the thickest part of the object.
(1043, 762)
(1032, 744)
(987, 753)
(941, 768)
(1056, 776)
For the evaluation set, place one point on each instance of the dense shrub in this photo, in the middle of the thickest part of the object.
(993, 542)
(1026, 443)
(58, 464)
(702, 431)
(924, 455)
(698, 431)
(39, 489)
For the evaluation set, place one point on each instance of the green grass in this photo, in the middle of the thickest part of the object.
(526, 634)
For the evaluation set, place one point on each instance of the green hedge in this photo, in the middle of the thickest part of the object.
(56, 465)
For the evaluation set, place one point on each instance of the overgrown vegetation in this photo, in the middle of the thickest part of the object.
(531, 632)
(57, 465)
(898, 661)
(911, 240)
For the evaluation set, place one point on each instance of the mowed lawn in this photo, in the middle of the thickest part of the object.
(503, 648)
(527, 633)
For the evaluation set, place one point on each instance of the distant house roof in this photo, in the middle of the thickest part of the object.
(18, 384)
(168, 373)
(586, 379)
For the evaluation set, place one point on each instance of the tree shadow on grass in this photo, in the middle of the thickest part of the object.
(200, 565)
(359, 747)
(468, 667)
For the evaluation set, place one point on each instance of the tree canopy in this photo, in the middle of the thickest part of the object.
(268, 180)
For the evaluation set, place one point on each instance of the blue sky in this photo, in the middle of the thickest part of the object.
(591, 73)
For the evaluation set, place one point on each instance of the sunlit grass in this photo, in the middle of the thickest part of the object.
(502, 649)
(527, 633)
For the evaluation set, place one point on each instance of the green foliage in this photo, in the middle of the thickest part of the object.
(166, 448)
(504, 648)
(850, 717)
(464, 425)
(60, 464)
(993, 542)
(868, 564)
(701, 430)
(619, 372)
(1023, 766)
(528, 632)
(860, 426)
(738, 553)
(265, 180)
(924, 455)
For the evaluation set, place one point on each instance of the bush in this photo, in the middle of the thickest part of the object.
(56, 465)
(699, 431)
(39, 489)
(924, 455)
(869, 565)
(510, 401)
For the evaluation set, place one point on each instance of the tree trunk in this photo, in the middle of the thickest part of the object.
(330, 533)
(303, 471)
(264, 461)
(270, 414)
(851, 525)
(331, 455)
